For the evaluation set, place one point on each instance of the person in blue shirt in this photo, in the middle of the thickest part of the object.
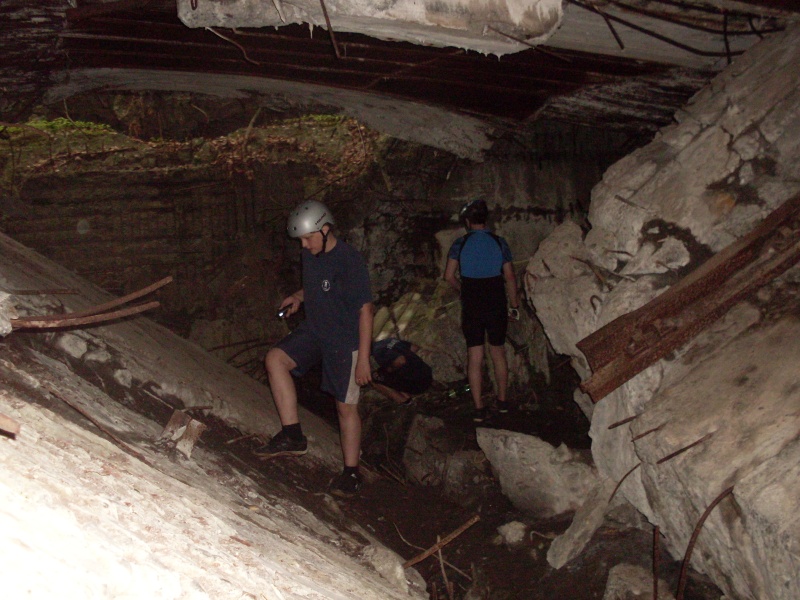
(401, 372)
(336, 333)
(489, 298)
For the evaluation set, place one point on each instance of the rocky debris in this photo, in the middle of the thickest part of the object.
(585, 522)
(513, 533)
(719, 412)
(434, 456)
(535, 476)
(630, 582)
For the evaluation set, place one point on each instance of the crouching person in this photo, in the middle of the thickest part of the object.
(401, 372)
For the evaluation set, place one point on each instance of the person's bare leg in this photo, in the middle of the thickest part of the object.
(498, 356)
(475, 373)
(279, 366)
(349, 433)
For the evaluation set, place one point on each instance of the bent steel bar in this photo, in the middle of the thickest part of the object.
(72, 321)
(631, 343)
(94, 310)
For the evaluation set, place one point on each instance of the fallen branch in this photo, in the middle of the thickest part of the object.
(448, 584)
(392, 474)
(456, 569)
(442, 543)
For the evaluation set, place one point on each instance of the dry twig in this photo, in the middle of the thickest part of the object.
(442, 543)
(456, 569)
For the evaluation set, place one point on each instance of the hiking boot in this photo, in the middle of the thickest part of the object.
(346, 485)
(282, 445)
(502, 407)
(480, 415)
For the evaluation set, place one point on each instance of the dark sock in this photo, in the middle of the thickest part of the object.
(293, 431)
(350, 471)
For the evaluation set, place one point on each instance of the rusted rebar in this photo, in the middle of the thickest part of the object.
(330, 28)
(611, 28)
(619, 484)
(117, 441)
(235, 43)
(655, 563)
(70, 321)
(94, 310)
(684, 449)
(527, 43)
(687, 557)
(622, 422)
(55, 292)
(654, 34)
(648, 432)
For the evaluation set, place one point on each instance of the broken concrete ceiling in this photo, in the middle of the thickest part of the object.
(443, 73)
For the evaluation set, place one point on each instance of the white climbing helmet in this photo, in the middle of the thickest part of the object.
(309, 217)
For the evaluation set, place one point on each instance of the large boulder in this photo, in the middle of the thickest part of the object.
(537, 477)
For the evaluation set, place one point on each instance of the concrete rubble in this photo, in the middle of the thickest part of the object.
(723, 411)
(629, 582)
(535, 476)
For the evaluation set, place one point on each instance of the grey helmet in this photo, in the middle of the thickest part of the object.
(475, 211)
(309, 217)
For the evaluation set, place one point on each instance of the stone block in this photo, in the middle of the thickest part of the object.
(535, 476)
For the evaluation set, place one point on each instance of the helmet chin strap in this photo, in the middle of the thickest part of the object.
(324, 242)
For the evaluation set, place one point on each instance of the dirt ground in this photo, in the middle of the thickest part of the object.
(410, 518)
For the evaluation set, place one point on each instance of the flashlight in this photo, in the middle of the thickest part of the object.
(284, 312)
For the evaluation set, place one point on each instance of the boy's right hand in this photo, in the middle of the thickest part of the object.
(289, 306)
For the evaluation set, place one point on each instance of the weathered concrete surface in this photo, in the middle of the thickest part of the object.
(460, 134)
(730, 160)
(147, 358)
(82, 518)
(456, 23)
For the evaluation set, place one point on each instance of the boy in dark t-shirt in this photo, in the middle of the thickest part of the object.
(337, 333)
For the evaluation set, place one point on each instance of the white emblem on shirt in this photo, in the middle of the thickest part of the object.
(326, 285)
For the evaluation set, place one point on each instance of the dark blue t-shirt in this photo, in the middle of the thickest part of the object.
(335, 287)
(480, 254)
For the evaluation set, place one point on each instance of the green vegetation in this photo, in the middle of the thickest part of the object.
(44, 144)
(62, 125)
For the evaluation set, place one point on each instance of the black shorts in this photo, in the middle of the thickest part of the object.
(483, 311)
(338, 364)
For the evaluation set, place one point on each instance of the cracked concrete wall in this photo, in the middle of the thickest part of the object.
(474, 24)
(730, 159)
